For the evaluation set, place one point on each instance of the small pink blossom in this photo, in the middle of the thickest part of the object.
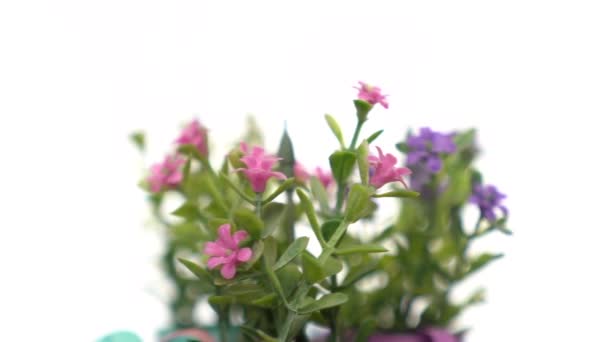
(194, 134)
(259, 167)
(383, 170)
(326, 178)
(300, 173)
(226, 251)
(167, 174)
(371, 94)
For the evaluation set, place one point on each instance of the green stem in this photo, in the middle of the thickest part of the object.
(223, 326)
(333, 320)
(258, 204)
(339, 198)
(353, 142)
(290, 224)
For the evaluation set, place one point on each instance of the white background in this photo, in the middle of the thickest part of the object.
(76, 77)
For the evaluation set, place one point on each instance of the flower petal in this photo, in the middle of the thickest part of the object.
(244, 254)
(229, 270)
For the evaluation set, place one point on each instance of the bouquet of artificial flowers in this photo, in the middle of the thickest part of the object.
(234, 243)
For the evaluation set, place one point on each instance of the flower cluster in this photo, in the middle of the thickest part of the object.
(239, 221)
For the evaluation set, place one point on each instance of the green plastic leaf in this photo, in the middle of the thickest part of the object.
(313, 270)
(374, 136)
(311, 215)
(248, 220)
(188, 211)
(221, 300)
(319, 193)
(325, 302)
(398, 194)
(190, 151)
(237, 189)
(481, 261)
(402, 147)
(139, 139)
(329, 228)
(358, 202)
(363, 108)
(271, 215)
(294, 249)
(286, 154)
(286, 184)
(359, 272)
(363, 162)
(335, 128)
(289, 276)
(342, 164)
(267, 301)
(197, 270)
(258, 251)
(360, 249)
(331, 267)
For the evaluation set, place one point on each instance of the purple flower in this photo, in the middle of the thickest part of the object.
(427, 147)
(488, 199)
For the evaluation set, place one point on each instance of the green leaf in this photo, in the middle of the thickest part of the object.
(288, 183)
(360, 249)
(362, 160)
(271, 215)
(191, 151)
(366, 329)
(313, 270)
(398, 193)
(258, 251)
(331, 267)
(241, 289)
(312, 216)
(363, 108)
(294, 249)
(286, 154)
(221, 300)
(335, 128)
(289, 276)
(197, 270)
(481, 261)
(329, 228)
(359, 272)
(267, 301)
(358, 202)
(342, 164)
(188, 211)
(236, 189)
(249, 221)
(374, 136)
(270, 252)
(325, 302)
(186, 172)
(402, 147)
(139, 139)
(319, 193)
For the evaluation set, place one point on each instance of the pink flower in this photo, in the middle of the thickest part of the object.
(167, 174)
(371, 94)
(194, 134)
(326, 178)
(383, 170)
(226, 251)
(259, 167)
(300, 173)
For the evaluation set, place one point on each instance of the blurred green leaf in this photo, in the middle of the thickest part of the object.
(398, 193)
(342, 164)
(335, 128)
(288, 160)
(358, 202)
(362, 160)
(359, 272)
(312, 216)
(294, 249)
(271, 215)
(248, 220)
(360, 249)
(139, 139)
(188, 211)
(286, 184)
(319, 193)
(374, 136)
(325, 302)
(313, 270)
(197, 270)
